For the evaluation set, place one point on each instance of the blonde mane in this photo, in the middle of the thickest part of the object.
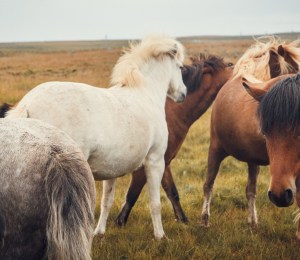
(293, 48)
(127, 71)
(254, 63)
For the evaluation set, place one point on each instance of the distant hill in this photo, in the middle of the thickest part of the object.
(286, 36)
(56, 46)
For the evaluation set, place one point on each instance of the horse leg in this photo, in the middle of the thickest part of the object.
(106, 204)
(172, 193)
(137, 183)
(215, 157)
(253, 171)
(154, 169)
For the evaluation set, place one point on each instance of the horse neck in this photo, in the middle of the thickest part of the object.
(197, 102)
(157, 80)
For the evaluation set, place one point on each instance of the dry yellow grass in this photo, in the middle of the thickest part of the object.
(229, 237)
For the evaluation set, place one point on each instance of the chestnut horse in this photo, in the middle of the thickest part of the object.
(233, 117)
(279, 114)
(203, 78)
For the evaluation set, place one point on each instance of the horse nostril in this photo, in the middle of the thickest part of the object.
(271, 197)
(284, 200)
(288, 195)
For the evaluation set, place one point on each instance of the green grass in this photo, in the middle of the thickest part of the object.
(23, 66)
(229, 237)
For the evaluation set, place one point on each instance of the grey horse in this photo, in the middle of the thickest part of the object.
(47, 193)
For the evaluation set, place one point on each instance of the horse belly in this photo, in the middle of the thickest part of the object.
(113, 163)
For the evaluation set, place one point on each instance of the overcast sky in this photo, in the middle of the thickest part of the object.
(48, 20)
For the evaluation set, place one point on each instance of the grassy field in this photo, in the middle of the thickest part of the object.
(23, 66)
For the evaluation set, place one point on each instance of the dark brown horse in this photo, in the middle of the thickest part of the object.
(203, 78)
(279, 114)
(4, 108)
(235, 129)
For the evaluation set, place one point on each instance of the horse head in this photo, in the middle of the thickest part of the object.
(156, 59)
(177, 89)
(206, 72)
(280, 123)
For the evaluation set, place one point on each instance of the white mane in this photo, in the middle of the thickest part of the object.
(127, 70)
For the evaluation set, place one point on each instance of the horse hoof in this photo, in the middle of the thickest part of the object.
(183, 220)
(252, 224)
(206, 225)
(204, 221)
(162, 238)
(120, 222)
(98, 235)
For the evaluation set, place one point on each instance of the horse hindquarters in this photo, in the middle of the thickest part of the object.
(71, 198)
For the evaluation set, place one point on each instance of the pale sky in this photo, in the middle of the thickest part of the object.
(50, 20)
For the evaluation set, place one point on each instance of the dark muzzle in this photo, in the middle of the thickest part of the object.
(284, 200)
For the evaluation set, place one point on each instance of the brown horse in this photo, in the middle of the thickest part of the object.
(235, 129)
(4, 108)
(203, 78)
(279, 114)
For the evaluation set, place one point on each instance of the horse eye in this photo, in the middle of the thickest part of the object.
(230, 64)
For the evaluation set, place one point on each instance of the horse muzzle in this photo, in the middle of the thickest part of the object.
(284, 200)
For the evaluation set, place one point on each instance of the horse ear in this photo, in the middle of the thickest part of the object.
(258, 90)
(281, 50)
(253, 90)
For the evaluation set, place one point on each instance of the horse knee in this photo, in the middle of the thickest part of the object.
(155, 207)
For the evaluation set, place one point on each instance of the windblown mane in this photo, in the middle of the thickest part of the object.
(127, 70)
(192, 74)
(280, 107)
(255, 61)
(293, 49)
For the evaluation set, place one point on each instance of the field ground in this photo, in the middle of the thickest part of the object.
(24, 65)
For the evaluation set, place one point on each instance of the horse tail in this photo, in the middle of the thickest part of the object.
(70, 190)
(2, 230)
(4, 109)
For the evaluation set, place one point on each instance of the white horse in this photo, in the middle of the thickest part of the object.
(121, 128)
(47, 193)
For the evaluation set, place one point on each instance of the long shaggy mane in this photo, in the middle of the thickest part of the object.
(192, 74)
(255, 61)
(279, 108)
(127, 70)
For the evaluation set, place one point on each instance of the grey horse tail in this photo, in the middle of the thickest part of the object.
(71, 198)
(4, 109)
(2, 230)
